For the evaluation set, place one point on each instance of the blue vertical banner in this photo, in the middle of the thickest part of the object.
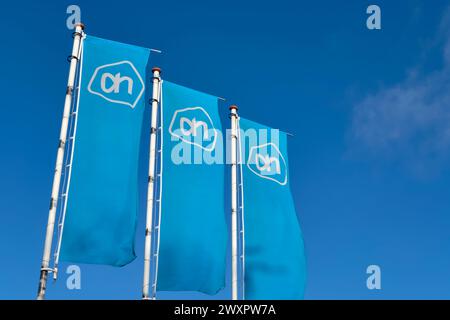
(193, 232)
(102, 203)
(275, 265)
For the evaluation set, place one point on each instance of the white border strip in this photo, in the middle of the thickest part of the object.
(241, 176)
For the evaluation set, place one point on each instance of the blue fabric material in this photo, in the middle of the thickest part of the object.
(193, 235)
(274, 253)
(102, 204)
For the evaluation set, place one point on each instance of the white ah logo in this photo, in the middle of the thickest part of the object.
(118, 82)
(188, 122)
(194, 124)
(267, 163)
(271, 167)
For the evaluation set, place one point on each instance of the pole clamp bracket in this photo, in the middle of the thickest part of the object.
(52, 201)
(69, 58)
(76, 33)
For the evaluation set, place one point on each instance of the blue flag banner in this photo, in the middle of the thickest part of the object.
(274, 253)
(193, 232)
(102, 204)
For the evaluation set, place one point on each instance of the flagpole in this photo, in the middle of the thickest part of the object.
(151, 183)
(78, 34)
(234, 234)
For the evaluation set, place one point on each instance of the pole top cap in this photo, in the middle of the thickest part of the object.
(154, 69)
(233, 107)
(81, 25)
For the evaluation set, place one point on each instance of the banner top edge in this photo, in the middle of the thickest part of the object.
(88, 36)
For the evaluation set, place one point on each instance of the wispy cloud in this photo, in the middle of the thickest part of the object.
(411, 119)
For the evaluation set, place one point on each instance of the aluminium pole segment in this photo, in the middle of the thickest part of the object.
(234, 190)
(241, 206)
(151, 182)
(78, 34)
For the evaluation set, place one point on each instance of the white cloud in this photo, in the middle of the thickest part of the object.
(410, 120)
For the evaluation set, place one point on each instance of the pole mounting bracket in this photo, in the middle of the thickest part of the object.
(69, 58)
(49, 270)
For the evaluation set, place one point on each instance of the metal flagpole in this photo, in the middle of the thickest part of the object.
(68, 165)
(151, 180)
(160, 186)
(78, 34)
(234, 234)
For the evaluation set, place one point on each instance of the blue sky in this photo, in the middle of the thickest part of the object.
(369, 110)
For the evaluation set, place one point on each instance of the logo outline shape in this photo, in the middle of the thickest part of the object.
(252, 150)
(213, 143)
(94, 75)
